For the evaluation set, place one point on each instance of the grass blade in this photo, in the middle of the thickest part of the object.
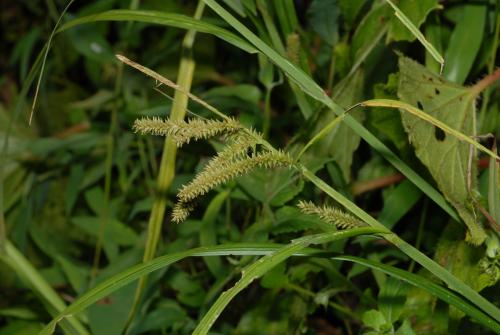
(453, 282)
(426, 117)
(263, 265)
(414, 30)
(165, 19)
(242, 249)
(309, 86)
(32, 278)
(117, 281)
(429, 286)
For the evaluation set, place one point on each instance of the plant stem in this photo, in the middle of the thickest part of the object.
(167, 165)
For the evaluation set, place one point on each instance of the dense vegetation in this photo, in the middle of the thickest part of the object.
(249, 167)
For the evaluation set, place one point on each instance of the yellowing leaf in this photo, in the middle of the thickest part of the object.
(444, 155)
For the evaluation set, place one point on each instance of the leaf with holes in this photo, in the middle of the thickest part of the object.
(446, 157)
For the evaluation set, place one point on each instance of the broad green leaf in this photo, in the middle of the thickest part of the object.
(341, 142)
(21, 327)
(391, 299)
(350, 9)
(265, 264)
(465, 42)
(375, 319)
(419, 281)
(109, 316)
(91, 43)
(189, 290)
(324, 19)
(166, 314)
(398, 202)
(405, 329)
(445, 156)
(276, 278)
(272, 187)
(466, 262)
(416, 11)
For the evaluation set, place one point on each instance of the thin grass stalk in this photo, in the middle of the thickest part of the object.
(47, 49)
(167, 165)
(108, 176)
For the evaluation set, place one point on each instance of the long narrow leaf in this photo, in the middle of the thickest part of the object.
(414, 30)
(429, 286)
(426, 117)
(309, 86)
(453, 282)
(165, 19)
(133, 273)
(242, 249)
(266, 263)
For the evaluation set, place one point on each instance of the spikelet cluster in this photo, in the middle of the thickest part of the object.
(214, 175)
(183, 132)
(331, 215)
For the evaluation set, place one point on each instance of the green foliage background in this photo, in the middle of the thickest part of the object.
(83, 198)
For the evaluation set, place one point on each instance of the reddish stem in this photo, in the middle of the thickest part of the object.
(486, 82)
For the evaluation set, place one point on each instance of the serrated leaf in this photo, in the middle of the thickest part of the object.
(342, 141)
(445, 156)
(416, 11)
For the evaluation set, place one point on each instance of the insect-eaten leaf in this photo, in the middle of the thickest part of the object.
(446, 157)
